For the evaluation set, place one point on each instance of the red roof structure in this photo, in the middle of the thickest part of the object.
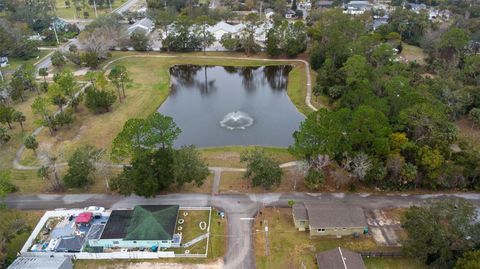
(84, 218)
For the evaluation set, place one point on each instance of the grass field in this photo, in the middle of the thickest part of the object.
(150, 88)
(230, 156)
(289, 248)
(413, 54)
(233, 182)
(151, 83)
(65, 12)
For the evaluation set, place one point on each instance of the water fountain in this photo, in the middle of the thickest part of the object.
(236, 120)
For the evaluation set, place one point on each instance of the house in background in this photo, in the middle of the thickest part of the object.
(145, 25)
(290, 14)
(357, 7)
(3, 61)
(325, 220)
(324, 4)
(339, 258)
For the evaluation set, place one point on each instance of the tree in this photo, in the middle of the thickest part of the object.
(31, 142)
(149, 173)
(356, 69)
(206, 37)
(474, 116)
(19, 117)
(6, 115)
(120, 78)
(230, 42)
(81, 166)
(6, 186)
(189, 167)
(99, 101)
(91, 59)
(441, 232)
(156, 130)
(470, 260)
(262, 169)
(140, 41)
(4, 136)
(23, 79)
(58, 60)
(40, 107)
(44, 73)
(247, 37)
(451, 44)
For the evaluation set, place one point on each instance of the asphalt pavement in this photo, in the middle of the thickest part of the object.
(239, 209)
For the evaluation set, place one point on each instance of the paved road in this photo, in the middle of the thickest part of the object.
(237, 207)
(125, 6)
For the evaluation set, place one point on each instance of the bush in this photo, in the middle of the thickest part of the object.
(6, 186)
(314, 179)
(99, 101)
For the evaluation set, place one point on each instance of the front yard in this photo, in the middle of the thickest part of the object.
(289, 248)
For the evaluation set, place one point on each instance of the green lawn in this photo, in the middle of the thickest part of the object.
(413, 54)
(69, 12)
(14, 63)
(289, 248)
(230, 156)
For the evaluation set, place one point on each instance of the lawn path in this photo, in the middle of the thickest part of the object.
(217, 170)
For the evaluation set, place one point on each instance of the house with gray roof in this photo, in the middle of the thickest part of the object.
(326, 220)
(339, 258)
(41, 263)
(145, 25)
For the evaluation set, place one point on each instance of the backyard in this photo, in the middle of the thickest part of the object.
(289, 248)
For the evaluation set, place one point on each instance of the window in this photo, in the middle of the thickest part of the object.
(321, 230)
(164, 242)
(115, 242)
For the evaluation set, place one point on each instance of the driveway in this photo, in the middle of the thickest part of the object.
(240, 208)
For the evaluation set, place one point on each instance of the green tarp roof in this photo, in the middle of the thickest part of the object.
(152, 222)
(144, 222)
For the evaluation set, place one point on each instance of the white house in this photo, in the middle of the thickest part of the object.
(146, 25)
(221, 28)
(357, 7)
(290, 14)
(3, 61)
(269, 13)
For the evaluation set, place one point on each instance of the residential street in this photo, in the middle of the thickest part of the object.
(238, 207)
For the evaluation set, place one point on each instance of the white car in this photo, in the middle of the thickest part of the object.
(94, 209)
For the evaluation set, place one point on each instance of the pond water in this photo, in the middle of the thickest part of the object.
(220, 106)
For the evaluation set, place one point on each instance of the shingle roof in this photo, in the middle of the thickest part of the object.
(339, 258)
(328, 216)
(41, 263)
(300, 212)
(144, 222)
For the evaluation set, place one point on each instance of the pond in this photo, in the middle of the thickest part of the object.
(220, 105)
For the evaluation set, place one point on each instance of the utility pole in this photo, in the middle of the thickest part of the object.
(55, 31)
(95, 7)
(110, 4)
(267, 248)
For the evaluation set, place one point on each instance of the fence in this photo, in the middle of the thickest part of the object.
(381, 254)
(105, 256)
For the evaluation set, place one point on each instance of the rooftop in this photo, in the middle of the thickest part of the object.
(41, 263)
(327, 216)
(339, 258)
(144, 222)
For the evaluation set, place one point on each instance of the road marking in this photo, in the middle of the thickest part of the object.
(247, 218)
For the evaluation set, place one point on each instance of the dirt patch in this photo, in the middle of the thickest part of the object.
(157, 265)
